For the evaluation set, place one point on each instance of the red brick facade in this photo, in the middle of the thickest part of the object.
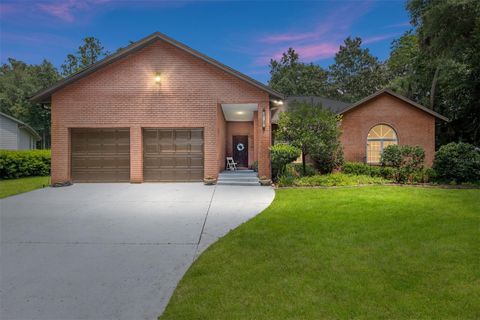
(412, 125)
(125, 95)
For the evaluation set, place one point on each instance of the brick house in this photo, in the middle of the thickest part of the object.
(158, 110)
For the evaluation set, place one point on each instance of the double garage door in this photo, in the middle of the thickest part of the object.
(103, 155)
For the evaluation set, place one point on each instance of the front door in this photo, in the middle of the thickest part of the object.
(240, 150)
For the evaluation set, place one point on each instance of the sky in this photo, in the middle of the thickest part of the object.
(244, 35)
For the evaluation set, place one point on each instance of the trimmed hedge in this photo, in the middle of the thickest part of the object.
(457, 163)
(27, 163)
(360, 168)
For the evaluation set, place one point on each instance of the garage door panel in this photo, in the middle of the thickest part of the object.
(100, 155)
(173, 154)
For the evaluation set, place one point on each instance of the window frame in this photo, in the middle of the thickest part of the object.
(381, 140)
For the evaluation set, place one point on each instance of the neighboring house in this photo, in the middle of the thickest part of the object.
(16, 135)
(158, 110)
(382, 119)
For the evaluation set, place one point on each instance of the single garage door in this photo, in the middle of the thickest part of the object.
(173, 154)
(100, 155)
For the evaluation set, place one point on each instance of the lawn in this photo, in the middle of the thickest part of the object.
(15, 186)
(380, 252)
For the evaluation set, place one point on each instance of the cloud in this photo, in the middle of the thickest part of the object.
(379, 38)
(399, 25)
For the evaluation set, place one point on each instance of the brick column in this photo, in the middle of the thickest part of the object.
(264, 140)
(136, 155)
(60, 154)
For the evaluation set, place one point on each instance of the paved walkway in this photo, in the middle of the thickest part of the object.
(110, 251)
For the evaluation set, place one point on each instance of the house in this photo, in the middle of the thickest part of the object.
(159, 110)
(379, 120)
(16, 135)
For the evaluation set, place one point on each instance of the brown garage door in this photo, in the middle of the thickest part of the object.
(173, 154)
(100, 155)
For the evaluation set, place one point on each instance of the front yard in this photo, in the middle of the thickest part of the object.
(369, 252)
(16, 186)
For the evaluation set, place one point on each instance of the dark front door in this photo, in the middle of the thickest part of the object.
(240, 150)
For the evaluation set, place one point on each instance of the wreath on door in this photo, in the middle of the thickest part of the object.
(240, 147)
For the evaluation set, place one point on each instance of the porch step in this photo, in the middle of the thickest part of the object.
(238, 178)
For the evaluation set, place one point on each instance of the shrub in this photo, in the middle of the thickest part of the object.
(405, 160)
(296, 170)
(282, 154)
(28, 163)
(254, 166)
(359, 168)
(457, 162)
(326, 158)
(337, 179)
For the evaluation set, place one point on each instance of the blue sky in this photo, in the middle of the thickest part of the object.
(241, 34)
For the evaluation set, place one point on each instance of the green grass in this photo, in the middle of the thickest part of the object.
(379, 252)
(21, 185)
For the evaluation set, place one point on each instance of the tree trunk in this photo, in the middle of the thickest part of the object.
(304, 169)
(434, 87)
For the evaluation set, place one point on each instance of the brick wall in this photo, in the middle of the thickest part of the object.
(124, 94)
(413, 126)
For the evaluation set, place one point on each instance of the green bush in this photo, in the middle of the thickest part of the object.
(296, 170)
(359, 168)
(254, 166)
(329, 180)
(28, 163)
(405, 160)
(425, 175)
(281, 155)
(458, 163)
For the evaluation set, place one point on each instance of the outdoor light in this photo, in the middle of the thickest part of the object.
(157, 77)
(263, 119)
(279, 102)
(240, 112)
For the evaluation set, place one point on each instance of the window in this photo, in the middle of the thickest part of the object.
(378, 139)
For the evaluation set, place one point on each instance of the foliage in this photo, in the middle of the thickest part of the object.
(309, 128)
(330, 180)
(254, 166)
(296, 170)
(446, 75)
(405, 160)
(18, 81)
(360, 168)
(457, 162)
(356, 73)
(281, 155)
(88, 53)
(328, 157)
(294, 78)
(28, 163)
(21, 185)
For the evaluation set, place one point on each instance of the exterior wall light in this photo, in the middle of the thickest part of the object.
(264, 119)
(240, 112)
(158, 78)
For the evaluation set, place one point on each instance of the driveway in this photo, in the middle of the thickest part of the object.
(110, 251)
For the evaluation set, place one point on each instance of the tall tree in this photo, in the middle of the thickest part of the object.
(292, 77)
(88, 53)
(356, 73)
(18, 81)
(449, 42)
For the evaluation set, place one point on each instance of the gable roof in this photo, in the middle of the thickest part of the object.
(22, 125)
(333, 105)
(398, 96)
(44, 95)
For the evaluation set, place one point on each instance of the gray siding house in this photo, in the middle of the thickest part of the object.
(16, 135)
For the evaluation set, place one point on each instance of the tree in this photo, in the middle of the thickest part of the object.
(356, 73)
(294, 78)
(88, 53)
(18, 81)
(309, 128)
(449, 41)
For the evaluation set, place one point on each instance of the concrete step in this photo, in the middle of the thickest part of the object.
(237, 177)
(237, 183)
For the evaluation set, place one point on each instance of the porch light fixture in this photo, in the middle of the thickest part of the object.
(240, 112)
(158, 78)
(264, 119)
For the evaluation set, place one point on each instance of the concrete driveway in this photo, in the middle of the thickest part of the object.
(110, 251)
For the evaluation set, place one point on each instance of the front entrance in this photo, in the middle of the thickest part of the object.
(240, 150)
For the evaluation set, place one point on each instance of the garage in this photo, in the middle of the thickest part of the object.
(100, 155)
(173, 154)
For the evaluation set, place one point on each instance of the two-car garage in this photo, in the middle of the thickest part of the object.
(103, 154)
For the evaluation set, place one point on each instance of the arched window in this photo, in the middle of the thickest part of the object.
(378, 139)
